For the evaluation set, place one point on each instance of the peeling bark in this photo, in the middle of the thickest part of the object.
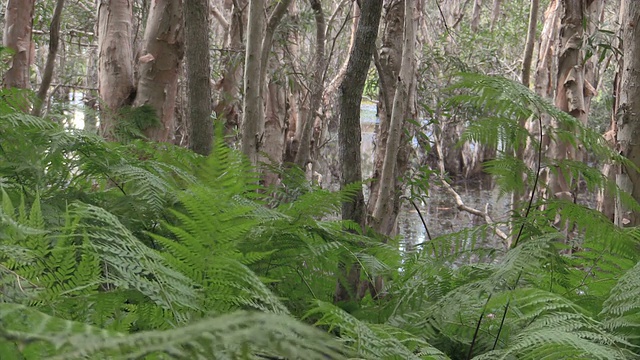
(159, 66)
(17, 37)
(115, 66)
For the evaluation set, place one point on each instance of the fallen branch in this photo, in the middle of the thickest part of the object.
(484, 214)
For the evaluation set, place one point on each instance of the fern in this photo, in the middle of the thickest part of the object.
(237, 336)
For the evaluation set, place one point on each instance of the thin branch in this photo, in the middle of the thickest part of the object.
(218, 15)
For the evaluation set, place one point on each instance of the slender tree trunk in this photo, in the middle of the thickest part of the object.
(54, 39)
(115, 61)
(334, 83)
(349, 135)
(196, 25)
(302, 156)
(17, 37)
(382, 219)
(252, 112)
(227, 105)
(475, 17)
(90, 97)
(159, 66)
(495, 13)
(531, 38)
(518, 196)
(627, 121)
(273, 96)
(388, 63)
(606, 200)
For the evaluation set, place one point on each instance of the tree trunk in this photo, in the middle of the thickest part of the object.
(569, 94)
(227, 105)
(196, 26)
(159, 66)
(627, 120)
(383, 210)
(115, 61)
(273, 96)
(17, 37)
(90, 96)
(349, 135)
(531, 38)
(517, 197)
(54, 39)
(475, 17)
(495, 13)
(388, 63)
(606, 200)
(304, 149)
(252, 112)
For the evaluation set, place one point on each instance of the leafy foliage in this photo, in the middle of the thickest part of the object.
(142, 250)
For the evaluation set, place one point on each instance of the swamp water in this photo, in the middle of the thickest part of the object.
(439, 211)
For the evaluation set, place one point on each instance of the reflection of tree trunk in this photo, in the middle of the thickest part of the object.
(115, 66)
(302, 157)
(196, 33)
(159, 65)
(628, 124)
(17, 37)
(54, 39)
(350, 135)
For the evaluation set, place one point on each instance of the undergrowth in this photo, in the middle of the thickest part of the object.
(141, 250)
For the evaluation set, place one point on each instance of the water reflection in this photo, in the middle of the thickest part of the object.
(439, 211)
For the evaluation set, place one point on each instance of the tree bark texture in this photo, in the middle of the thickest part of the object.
(388, 63)
(227, 104)
(606, 200)
(17, 37)
(531, 38)
(628, 124)
(54, 40)
(115, 61)
(159, 66)
(252, 112)
(272, 95)
(495, 13)
(196, 31)
(475, 17)
(349, 135)
(304, 149)
(383, 214)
